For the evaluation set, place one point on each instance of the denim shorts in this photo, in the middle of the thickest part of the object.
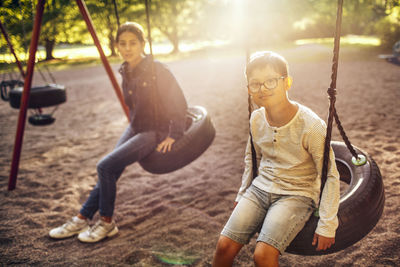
(277, 218)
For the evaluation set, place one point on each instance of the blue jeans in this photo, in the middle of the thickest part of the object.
(130, 148)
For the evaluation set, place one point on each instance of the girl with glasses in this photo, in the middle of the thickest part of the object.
(288, 140)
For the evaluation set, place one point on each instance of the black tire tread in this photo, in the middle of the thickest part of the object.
(40, 96)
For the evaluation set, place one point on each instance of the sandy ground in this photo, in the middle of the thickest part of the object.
(177, 217)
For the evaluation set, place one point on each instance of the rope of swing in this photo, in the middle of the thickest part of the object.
(116, 12)
(332, 97)
(153, 70)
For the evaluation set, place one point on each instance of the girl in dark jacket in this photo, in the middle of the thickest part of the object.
(139, 139)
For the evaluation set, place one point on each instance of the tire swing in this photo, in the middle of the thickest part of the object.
(40, 97)
(395, 57)
(51, 94)
(7, 85)
(362, 202)
(198, 135)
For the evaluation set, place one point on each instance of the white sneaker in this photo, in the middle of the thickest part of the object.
(73, 227)
(98, 232)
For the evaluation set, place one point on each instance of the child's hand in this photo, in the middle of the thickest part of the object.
(166, 145)
(323, 242)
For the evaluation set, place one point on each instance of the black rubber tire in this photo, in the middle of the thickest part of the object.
(396, 49)
(41, 119)
(7, 85)
(40, 97)
(197, 138)
(361, 205)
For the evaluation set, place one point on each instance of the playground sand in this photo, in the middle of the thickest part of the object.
(176, 218)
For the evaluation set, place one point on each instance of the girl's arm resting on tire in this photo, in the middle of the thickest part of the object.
(166, 145)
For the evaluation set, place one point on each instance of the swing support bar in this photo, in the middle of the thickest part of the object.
(25, 96)
(28, 80)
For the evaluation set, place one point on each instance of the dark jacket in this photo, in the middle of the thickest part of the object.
(138, 89)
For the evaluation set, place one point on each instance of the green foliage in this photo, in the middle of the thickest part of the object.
(176, 19)
(359, 17)
(102, 13)
(388, 28)
(243, 22)
(16, 17)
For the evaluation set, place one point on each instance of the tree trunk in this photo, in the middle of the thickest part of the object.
(175, 43)
(173, 38)
(174, 34)
(49, 46)
(111, 44)
(111, 40)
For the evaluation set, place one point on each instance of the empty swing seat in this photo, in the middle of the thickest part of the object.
(40, 96)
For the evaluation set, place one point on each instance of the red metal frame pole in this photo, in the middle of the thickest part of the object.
(3, 30)
(25, 96)
(86, 16)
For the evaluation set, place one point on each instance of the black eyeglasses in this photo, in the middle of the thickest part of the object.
(270, 84)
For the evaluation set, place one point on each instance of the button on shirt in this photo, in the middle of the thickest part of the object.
(290, 160)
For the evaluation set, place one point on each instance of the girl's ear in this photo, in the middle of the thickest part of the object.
(289, 82)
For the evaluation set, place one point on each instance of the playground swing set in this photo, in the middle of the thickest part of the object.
(361, 203)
